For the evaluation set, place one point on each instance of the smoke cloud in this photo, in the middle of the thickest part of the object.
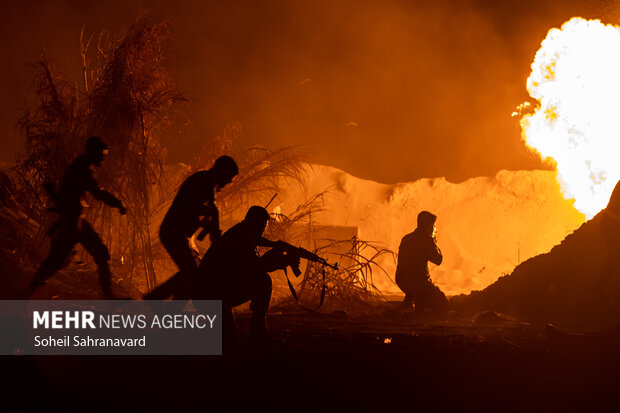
(390, 91)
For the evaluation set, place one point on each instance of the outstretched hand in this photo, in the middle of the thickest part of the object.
(122, 210)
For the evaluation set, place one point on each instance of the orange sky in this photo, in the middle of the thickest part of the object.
(390, 91)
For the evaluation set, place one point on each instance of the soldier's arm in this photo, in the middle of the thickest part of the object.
(210, 223)
(109, 199)
(435, 255)
(209, 209)
(264, 242)
(104, 196)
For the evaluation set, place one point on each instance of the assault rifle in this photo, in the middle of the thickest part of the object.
(292, 255)
(295, 253)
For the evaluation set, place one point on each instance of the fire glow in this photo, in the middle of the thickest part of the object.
(576, 80)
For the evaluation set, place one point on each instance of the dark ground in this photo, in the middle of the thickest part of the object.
(388, 361)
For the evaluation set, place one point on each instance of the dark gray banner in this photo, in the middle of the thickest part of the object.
(110, 327)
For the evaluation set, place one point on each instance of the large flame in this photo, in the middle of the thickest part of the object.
(576, 79)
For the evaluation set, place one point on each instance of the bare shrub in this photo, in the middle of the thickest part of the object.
(127, 98)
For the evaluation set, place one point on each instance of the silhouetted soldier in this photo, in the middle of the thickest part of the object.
(233, 271)
(412, 274)
(71, 228)
(193, 208)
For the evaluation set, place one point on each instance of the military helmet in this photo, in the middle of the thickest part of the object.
(257, 214)
(95, 144)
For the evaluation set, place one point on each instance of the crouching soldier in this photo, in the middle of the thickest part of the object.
(233, 271)
(412, 274)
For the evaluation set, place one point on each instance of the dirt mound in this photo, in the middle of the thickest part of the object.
(575, 286)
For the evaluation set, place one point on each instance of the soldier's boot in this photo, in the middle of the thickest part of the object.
(407, 303)
(51, 264)
(258, 327)
(259, 336)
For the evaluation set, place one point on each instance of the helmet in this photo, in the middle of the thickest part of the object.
(95, 144)
(257, 214)
(426, 219)
(226, 165)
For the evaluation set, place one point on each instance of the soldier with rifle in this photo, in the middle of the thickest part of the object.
(71, 227)
(193, 208)
(232, 271)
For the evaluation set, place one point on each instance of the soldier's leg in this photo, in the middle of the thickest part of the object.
(260, 298)
(408, 301)
(180, 284)
(95, 247)
(406, 284)
(433, 297)
(178, 248)
(420, 293)
(209, 288)
(255, 288)
(420, 302)
(440, 302)
(62, 245)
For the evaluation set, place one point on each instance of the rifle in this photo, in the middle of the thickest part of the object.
(294, 253)
(210, 224)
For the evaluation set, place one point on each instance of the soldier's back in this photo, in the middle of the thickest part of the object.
(234, 253)
(185, 211)
(74, 184)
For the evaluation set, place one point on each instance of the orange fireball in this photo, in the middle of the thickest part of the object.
(576, 80)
